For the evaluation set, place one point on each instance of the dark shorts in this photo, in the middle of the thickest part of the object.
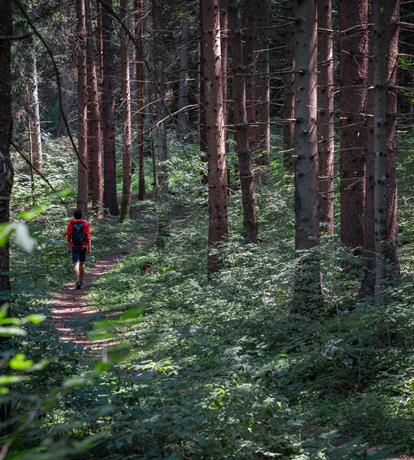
(78, 255)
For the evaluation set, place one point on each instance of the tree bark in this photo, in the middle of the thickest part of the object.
(34, 114)
(216, 152)
(139, 73)
(326, 116)
(160, 132)
(353, 23)
(94, 126)
(385, 41)
(241, 127)
(82, 199)
(308, 281)
(126, 113)
(257, 20)
(289, 92)
(110, 199)
(262, 81)
(183, 118)
(6, 168)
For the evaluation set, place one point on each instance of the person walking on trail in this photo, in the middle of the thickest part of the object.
(79, 244)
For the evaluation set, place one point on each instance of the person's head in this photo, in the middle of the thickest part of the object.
(77, 214)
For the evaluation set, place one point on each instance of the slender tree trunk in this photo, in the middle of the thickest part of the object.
(326, 116)
(6, 168)
(183, 118)
(256, 23)
(82, 200)
(224, 41)
(94, 127)
(139, 72)
(308, 281)
(202, 128)
(108, 113)
(216, 151)
(34, 114)
(240, 125)
(289, 92)
(392, 12)
(262, 81)
(385, 41)
(353, 23)
(30, 149)
(250, 49)
(160, 132)
(126, 112)
(100, 43)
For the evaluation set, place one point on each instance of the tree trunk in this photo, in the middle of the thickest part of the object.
(240, 125)
(94, 127)
(34, 114)
(353, 23)
(108, 113)
(6, 169)
(126, 113)
(139, 72)
(216, 152)
(82, 200)
(257, 20)
(202, 102)
(385, 41)
(183, 117)
(326, 116)
(289, 92)
(160, 132)
(308, 281)
(392, 19)
(262, 82)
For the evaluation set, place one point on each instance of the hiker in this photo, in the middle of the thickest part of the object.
(79, 244)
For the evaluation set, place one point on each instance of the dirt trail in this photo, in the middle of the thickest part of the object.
(72, 316)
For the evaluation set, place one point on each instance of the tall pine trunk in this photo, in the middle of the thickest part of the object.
(289, 90)
(385, 43)
(353, 24)
(6, 168)
(94, 126)
(139, 74)
(308, 282)
(82, 199)
(216, 152)
(262, 81)
(240, 125)
(126, 117)
(256, 23)
(326, 116)
(34, 113)
(108, 113)
(183, 92)
(158, 59)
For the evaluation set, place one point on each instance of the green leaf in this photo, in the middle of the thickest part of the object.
(9, 379)
(20, 363)
(8, 331)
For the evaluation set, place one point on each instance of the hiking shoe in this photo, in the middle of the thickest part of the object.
(78, 284)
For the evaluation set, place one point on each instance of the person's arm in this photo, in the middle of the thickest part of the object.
(88, 238)
(69, 236)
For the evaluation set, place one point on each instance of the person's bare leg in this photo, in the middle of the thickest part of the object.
(81, 271)
(76, 270)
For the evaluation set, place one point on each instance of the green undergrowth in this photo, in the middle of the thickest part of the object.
(222, 367)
